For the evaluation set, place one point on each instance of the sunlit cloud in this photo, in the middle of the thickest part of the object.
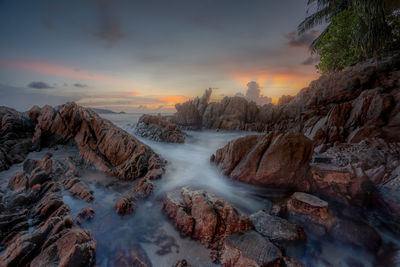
(275, 84)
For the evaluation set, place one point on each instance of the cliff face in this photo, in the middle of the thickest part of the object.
(348, 106)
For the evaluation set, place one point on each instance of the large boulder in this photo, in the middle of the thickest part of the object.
(100, 143)
(16, 131)
(204, 217)
(274, 160)
(159, 128)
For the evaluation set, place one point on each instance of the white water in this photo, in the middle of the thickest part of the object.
(148, 230)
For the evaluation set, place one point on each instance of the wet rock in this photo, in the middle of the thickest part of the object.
(204, 217)
(133, 255)
(159, 128)
(274, 159)
(181, 263)
(30, 165)
(18, 181)
(311, 207)
(276, 228)
(72, 247)
(249, 249)
(78, 189)
(106, 146)
(86, 214)
(127, 204)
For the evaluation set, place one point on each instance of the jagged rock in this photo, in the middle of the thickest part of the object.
(274, 159)
(18, 181)
(159, 128)
(78, 189)
(72, 247)
(127, 204)
(189, 113)
(249, 249)
(109, 148)
(16, 131)
(86, 214)
(204, 217)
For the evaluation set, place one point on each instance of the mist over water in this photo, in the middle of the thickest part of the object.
(149, 234)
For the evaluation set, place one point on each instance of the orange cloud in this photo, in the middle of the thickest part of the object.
(276, 84)
(174, 99)
(61, 70)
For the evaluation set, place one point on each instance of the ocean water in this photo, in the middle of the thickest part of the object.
(148, 232)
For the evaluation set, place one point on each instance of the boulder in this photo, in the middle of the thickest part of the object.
(159, 128)
(249, 249)
(100, 143)
(78, 189)
(276, 228)
(273, 160)
(311, 207)
(204, 217)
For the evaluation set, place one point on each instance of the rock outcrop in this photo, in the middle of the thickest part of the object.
(159, 128)
(347, 106)
(35, 227)
(204, 217)
(274, 160)
(100, 143)
(16, 132)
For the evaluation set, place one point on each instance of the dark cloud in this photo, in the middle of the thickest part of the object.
(303, 40)
(110, 28)
(79, 85)
(310, 61)
(39, 85)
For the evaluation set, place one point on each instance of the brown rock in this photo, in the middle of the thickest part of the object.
(274, 159)
(109, 148)
(18, 181)
(159, 128)
(78, 189)
(73, 247)
(204, 217)
(312, 207)
(127, 204)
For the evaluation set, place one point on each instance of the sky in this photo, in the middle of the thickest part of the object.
(146, 56)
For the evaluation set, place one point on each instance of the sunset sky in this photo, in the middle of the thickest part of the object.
(145, 56)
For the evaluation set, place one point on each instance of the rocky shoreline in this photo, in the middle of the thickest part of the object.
(335, 143)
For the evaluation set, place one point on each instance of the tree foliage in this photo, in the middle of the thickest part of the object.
(356, 29)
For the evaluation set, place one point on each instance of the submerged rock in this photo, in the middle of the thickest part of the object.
(159, 128)
(204, 217)
(274, 160)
